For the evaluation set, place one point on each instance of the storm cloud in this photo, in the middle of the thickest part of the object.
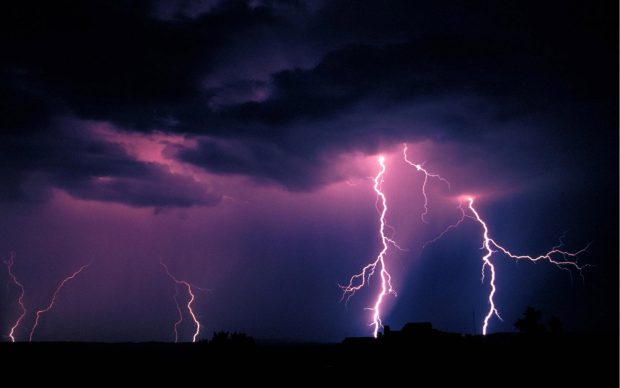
(291, 84)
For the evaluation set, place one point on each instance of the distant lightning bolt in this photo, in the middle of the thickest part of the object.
(54, 297)
(361, 279)
(9, 265)
(178, 322)
(427, 175)
(189, 303)
(449, 228)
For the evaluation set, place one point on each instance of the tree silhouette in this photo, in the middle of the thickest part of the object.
(555, 325)
(226, 339)
(530, 322)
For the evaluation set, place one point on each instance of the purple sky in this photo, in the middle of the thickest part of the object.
(237, 141)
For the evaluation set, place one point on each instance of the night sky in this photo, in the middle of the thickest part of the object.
(236, 141)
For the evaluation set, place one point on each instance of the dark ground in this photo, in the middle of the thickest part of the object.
(496, 360)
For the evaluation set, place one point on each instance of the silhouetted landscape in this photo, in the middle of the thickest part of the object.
(417, 352)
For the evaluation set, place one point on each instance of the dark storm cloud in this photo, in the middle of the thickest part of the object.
(70, 157)
(288, 82)
(154, 187)
(112, 61)
(510, 54)
(263, 162)
(484, 81)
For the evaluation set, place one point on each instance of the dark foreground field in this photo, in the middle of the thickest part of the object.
(496, 360)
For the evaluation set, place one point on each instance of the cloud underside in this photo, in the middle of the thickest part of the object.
(273, 90)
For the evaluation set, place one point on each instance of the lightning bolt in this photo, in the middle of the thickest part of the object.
(486, 259)
(9, 265)
(555, 255)
(178, 322)
(190, 302)
(449, 228)
(54, 297)
(427, 175)
(359, 280)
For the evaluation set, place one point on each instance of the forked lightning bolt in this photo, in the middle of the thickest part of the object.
(54, 297)
(555, 256)
(361, 279)
(427, 175)
(189, 304)
(490, 246)
(20, 301)
(486, 262)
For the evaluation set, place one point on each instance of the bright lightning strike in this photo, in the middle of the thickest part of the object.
(20, 301)
(555, 255)
(359, 280)
(486, 263)
(427, 175)
(189, 304)
(54, 297)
